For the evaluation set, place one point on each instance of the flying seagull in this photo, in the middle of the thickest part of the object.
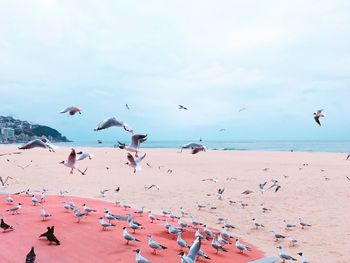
(181, 107)
(112, 122)
(242, 109)
(134, 146)
(317, 116)
(127, 106)
(38, 143)
(71, 110)
(135, 163)
(195, 147)
(71, 162)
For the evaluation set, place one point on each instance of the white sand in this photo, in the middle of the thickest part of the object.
(305, 193)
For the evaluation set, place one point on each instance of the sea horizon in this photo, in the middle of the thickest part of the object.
(341, 146)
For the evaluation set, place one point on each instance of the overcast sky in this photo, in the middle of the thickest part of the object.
(282, 60)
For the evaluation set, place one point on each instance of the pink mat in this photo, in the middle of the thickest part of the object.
(86, 242)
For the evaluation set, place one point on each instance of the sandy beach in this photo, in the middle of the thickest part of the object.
(318, 192)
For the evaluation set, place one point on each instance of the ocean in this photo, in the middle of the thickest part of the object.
(297, 146)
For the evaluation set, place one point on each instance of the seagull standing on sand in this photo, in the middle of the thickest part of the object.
(277, 236)
(155, 245)
(15, 209)
(88, 209)
(112, 122)
(256, 223)
(215, 244)
(302, 223)
(134, 146)
(71, 110)
(128, 237)
(44, 214)
(139, 258)
(284, 256)
(181, 242)
(288, 225)
(292, 241)
(71, 163)
(135, 163)
(104, 223)
(242, 247)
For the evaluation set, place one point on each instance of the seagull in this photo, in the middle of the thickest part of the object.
(198, 234)
(302, 223)
(88, 209)
(139, 258)
(104, 191)
(227, 224)
(104, 223)
(242, 247)
(71, 110)
(231, 178)
(66, 206)
(181, 107)
(347, 158)
(242, 109)
(195, 249)
(264, 209)
(135, 163)
(128, 237)
(284, 256)
(4, 226)
(302, 258)
(317, 116)
(35, 200)
(292, 241)
(274, 184)
(202, 254)
(261, 186)
(134, 225)
(79, 214)
(37, 143)
(111, 122)
(127, 106)
(225, 233)
(148, 187)
(44, 214)
(200, 206)
(84, 155)
(62, 192)
(215, 244)
(195, 222)
(31, 256)
(288, 226)
(211, 179)
(223, 240)
(182, 223)
(256, 223)
(247, 192)
(195, 147)
(184, 258)
(139, 211)
(134, 146)
(181, 242)
(208, 232)
(9, 199)
(155, 245)
(71, 161)
(15, 209)
(277, 236)
(221, 130)
(152, 217)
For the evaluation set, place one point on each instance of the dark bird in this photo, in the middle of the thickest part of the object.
(30, 258)
(242, 109)
(49, 231)
(127, 106)
(181, 107)
(347, 158)
(52, 238)
(5, 226)
(317, 116)
(117, 190)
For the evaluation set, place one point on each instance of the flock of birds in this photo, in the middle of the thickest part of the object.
(219, 240)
